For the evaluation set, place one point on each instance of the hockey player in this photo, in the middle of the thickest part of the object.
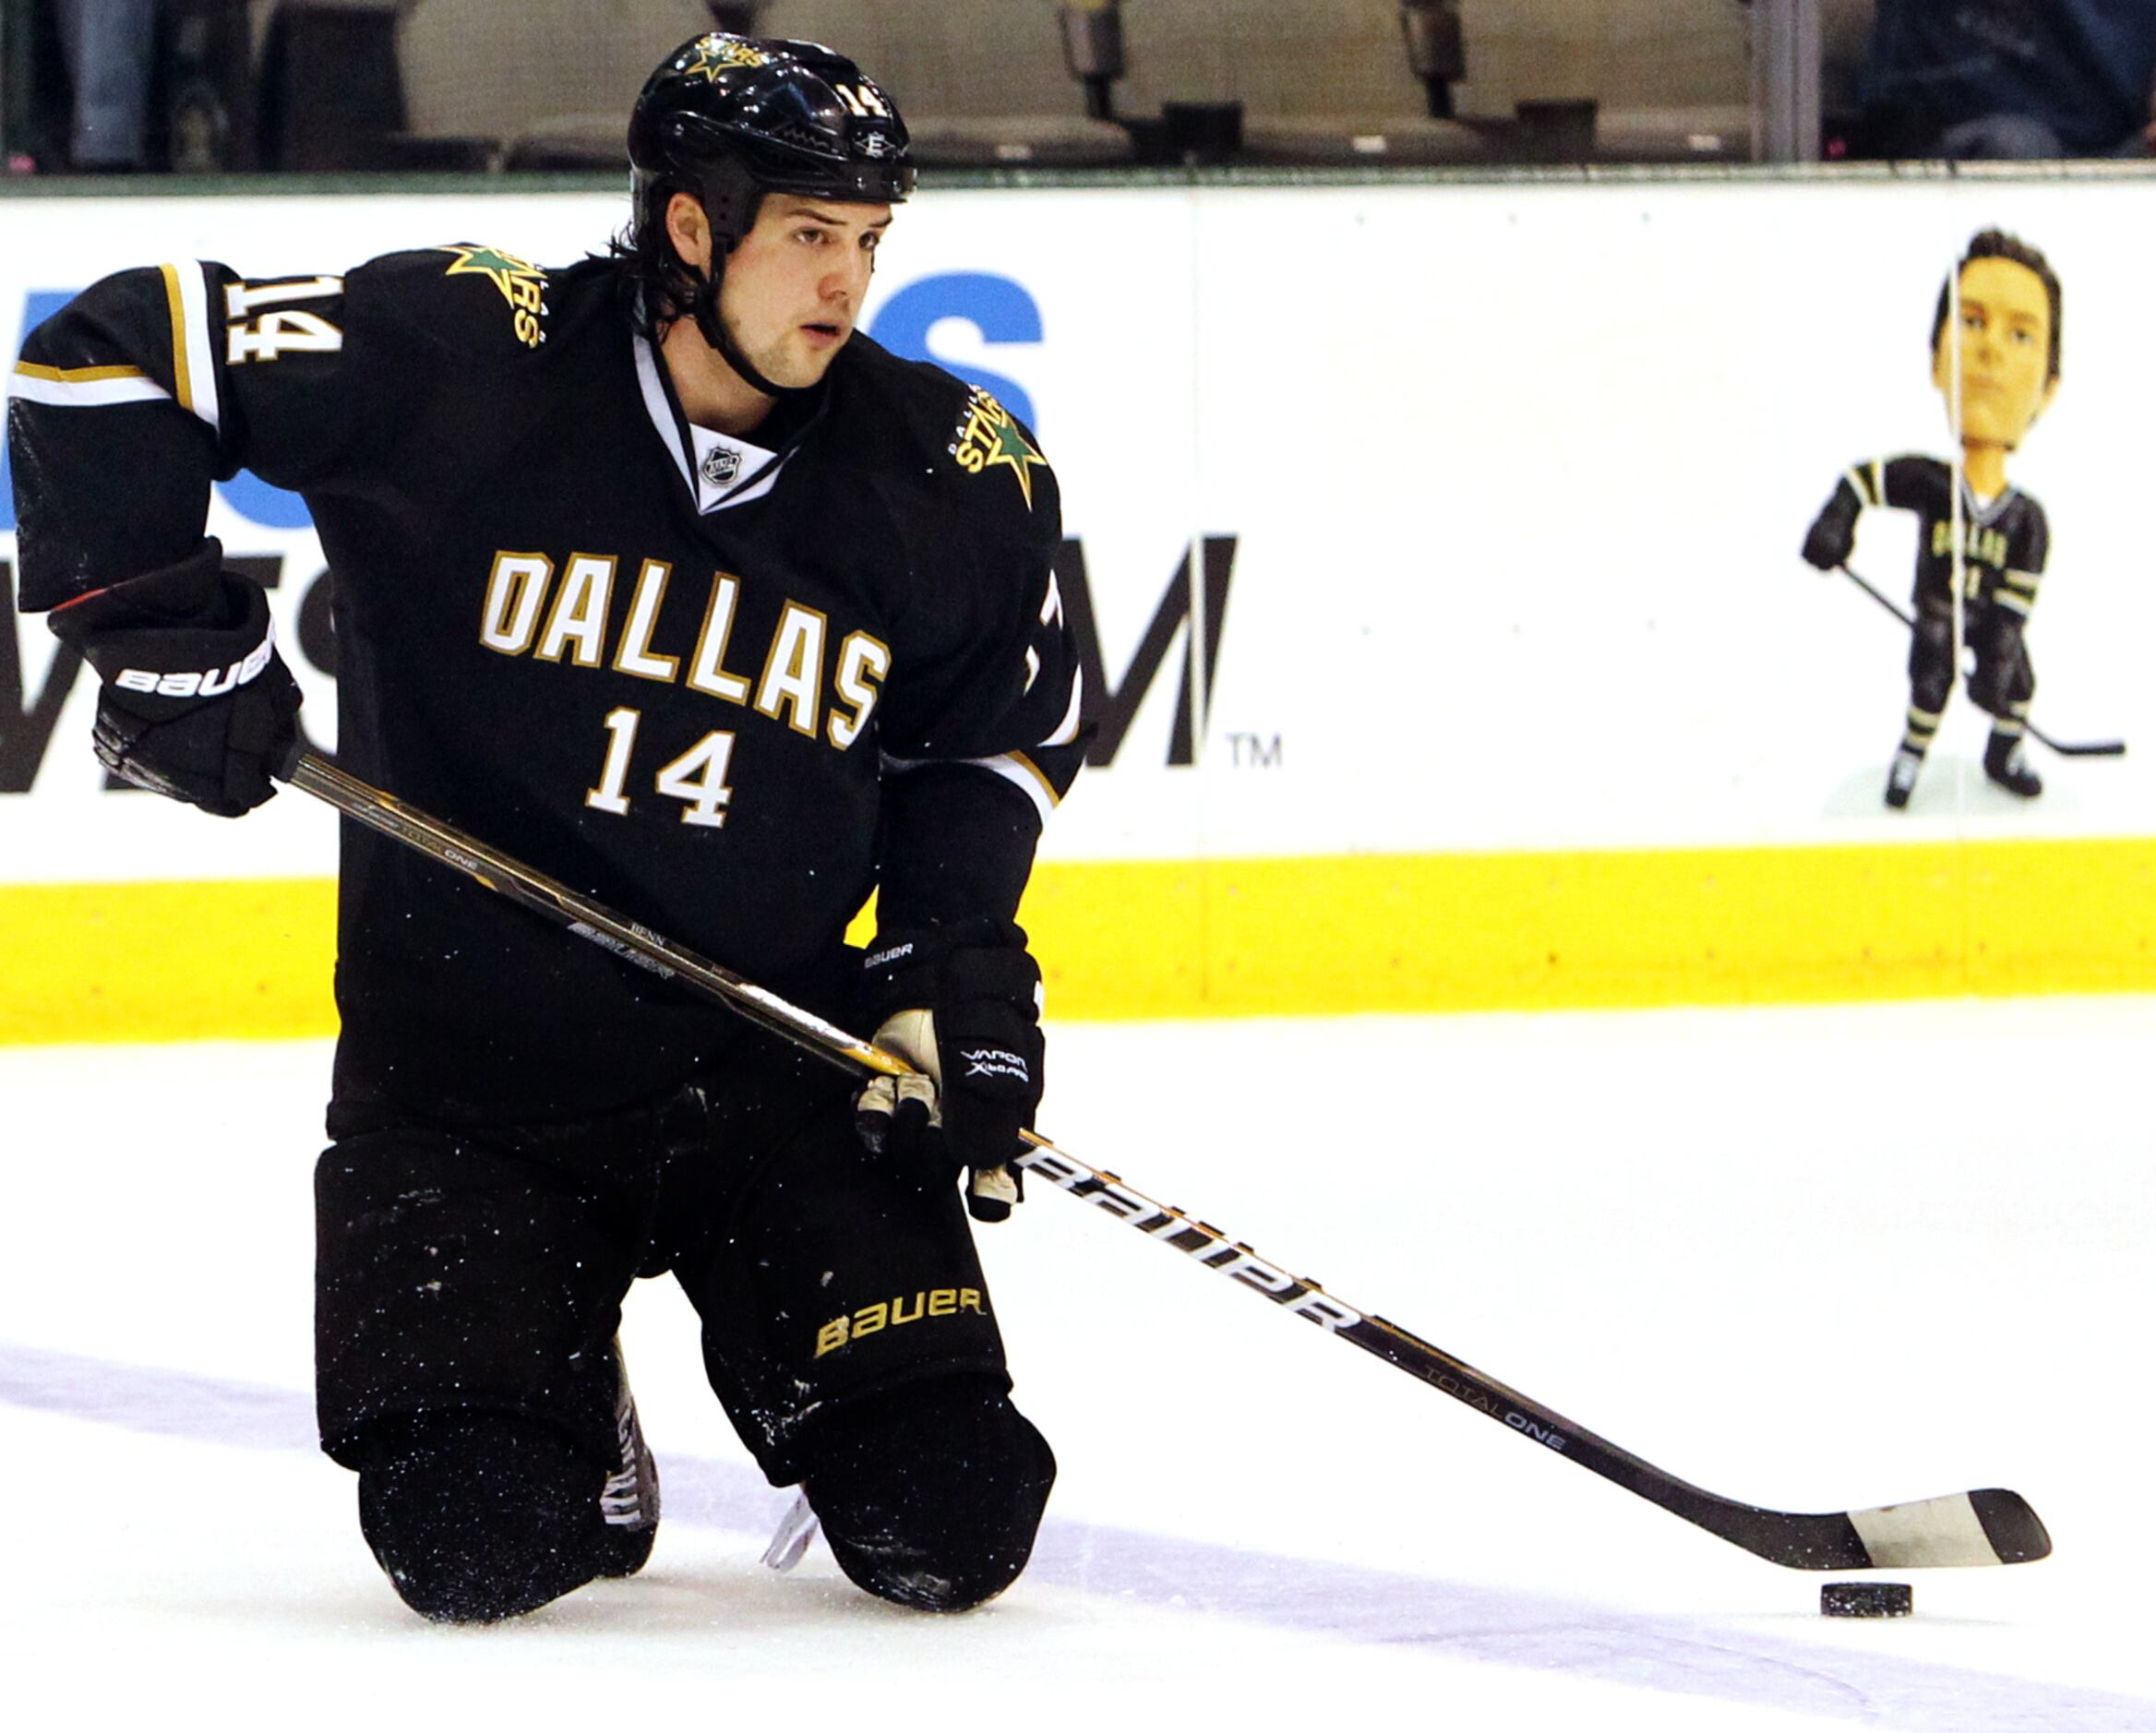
(654, 572)
(2011, 304)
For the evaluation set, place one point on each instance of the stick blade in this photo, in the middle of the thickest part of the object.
(2017, 1533)
(1992, 1526)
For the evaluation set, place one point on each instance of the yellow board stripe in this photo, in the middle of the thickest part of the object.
(76, 376)
(1291, 936)
(1545, 931)
(183, 386)
(167, 961)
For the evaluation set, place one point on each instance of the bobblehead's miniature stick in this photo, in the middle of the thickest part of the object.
(1990, 1526)
(2064, 749)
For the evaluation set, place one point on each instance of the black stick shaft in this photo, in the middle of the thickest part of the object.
(1880, 596)
(511, 878)
(1807, 1542)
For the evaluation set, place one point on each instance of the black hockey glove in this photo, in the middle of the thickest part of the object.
(962, 1004)
(197, 705)
(1833, 535)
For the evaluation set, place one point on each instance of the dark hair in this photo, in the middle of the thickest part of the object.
(1998, 244)
(656, 286)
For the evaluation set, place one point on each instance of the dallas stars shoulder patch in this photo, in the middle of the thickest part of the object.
(988, 435)
(522, 285)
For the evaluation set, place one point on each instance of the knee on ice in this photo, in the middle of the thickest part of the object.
(930, 1497)
(478, 1517)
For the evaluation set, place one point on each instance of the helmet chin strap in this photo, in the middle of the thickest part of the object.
(704, 309)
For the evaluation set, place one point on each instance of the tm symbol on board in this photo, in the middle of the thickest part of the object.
(1254, 752)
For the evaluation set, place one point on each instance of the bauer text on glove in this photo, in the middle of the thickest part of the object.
(197, 705)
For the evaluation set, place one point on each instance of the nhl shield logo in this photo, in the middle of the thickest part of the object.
(721, 465)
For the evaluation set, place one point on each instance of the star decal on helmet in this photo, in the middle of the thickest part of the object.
(523, 284)
(717, 53)
(989, 435)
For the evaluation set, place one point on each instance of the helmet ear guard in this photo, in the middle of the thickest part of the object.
(731, 196)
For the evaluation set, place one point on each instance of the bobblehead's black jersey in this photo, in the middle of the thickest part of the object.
(686, 675)
(2003, 543)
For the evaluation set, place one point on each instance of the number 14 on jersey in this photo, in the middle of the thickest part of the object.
(697, 779)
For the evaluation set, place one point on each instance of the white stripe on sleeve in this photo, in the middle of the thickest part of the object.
(1010, 765)
(1067, 730)
(201, 351)
(86, 393)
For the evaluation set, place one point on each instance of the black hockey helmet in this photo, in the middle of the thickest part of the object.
(729, 118)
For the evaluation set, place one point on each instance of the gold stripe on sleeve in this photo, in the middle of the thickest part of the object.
(182, 387)
(76, 375)
(1034, 771)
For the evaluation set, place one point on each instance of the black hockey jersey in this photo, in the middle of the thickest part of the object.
(722, 686)
(2004, 543)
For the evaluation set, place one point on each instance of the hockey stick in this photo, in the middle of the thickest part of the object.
(1963, 1528)
(2064, 749)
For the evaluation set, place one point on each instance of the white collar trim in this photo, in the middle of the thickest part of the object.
(718, 470)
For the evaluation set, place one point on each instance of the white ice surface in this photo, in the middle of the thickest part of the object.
(1808, 1257)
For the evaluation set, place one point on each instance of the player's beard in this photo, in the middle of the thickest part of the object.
(779, 360)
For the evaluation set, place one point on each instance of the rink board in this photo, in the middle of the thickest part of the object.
(1519, 696)
(252, 959)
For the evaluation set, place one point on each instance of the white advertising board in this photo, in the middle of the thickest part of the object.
(1507, 482)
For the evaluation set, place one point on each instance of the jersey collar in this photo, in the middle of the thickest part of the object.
(719, 471)
(1982, 509)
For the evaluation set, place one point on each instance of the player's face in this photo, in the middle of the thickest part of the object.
(795, 286)
(2005, 353)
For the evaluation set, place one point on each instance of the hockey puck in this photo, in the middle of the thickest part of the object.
(1866, 1600)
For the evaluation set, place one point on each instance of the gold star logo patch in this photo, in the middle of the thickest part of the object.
(523, 284)
(989, 435)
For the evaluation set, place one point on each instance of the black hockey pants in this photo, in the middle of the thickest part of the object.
(847, 1328)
